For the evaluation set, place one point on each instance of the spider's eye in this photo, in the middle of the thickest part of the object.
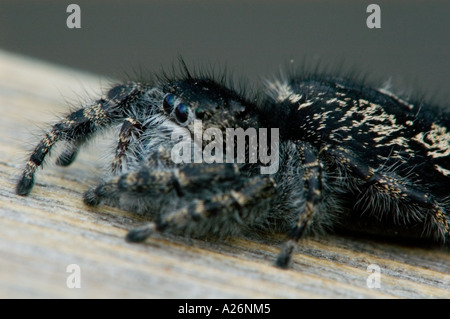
(181, 112)
(200, 113)
(169, 99)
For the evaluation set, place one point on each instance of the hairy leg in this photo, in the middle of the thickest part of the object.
(76, 128)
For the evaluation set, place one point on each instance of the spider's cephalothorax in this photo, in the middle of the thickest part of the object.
(349, 157)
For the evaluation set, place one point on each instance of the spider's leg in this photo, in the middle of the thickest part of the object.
(75, 128)
(130, 128)
(153, 182)
(69, 154)
(78, 124)
(311, 178)
(253, 190)
(396, 188)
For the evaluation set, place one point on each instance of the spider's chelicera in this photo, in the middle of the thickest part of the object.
(347, 156)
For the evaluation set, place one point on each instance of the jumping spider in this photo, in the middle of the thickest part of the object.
(349, 157)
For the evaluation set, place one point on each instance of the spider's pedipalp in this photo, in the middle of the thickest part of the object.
(150, 181)
(221, 207)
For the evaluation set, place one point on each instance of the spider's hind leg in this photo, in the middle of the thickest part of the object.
(405, 203)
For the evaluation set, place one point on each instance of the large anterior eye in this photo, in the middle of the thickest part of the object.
(181, 112)
(168, 102)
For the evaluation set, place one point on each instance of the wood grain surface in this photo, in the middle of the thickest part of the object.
(44, 233)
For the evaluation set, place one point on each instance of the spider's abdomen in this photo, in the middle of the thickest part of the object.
(388, 158)
(381, 129)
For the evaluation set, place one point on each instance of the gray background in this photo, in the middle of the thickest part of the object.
(252, 38)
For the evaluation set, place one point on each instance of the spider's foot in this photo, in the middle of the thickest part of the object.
(91, 198)
(25, 185)
(284, 259)
(140, 234)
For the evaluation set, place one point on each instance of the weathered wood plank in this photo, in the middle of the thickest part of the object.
(40, 235)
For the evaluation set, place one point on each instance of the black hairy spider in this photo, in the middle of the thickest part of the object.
(349, 157)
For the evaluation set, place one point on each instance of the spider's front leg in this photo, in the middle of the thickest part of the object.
(76, 128)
